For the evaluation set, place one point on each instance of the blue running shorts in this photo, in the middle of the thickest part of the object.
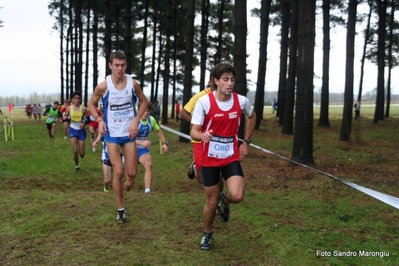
(80, 134)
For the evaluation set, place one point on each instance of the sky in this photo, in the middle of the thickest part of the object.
(29, 53)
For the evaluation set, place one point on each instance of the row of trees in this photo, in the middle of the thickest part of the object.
(164, 42)
(335, 98)
(31, 99)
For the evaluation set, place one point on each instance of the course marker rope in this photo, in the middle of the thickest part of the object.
(388, 199)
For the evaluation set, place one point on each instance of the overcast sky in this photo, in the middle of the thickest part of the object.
(29, 53)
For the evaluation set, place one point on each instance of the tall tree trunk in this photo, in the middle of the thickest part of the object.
(240, 52)
(174, 19)
(283, 59)
(366, 38)
(260, 85)
(166, 71)
(175, 37)
(154, 96)
(390, 44)
(289, 91)
(61, 18)
(325, 88)
(87, 63)
(159, 64)
(71, 50)
(350, 55)
(79, 47)
(379, 105)
(95, 44)
(204, 43)
(218, 55)
(127, 36)
(107, 35)
(188, 63)
(67, 56)
(144, 45)
(302, 151)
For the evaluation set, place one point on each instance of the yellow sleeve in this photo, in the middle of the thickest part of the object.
(154, 124)
(189, 107)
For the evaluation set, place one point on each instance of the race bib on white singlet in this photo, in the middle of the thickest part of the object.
(121, 113)
(75, 125)
(221, 147)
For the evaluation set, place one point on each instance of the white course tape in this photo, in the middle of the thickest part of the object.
(176, 132)
(388, 199)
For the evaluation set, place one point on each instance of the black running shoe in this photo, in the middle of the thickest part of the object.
(224, 209)
(206, 241)
(190, 171)
(121, 218)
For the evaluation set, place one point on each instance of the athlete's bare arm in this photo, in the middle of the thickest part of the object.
(185, 115)
(99, 91)
(251, 121)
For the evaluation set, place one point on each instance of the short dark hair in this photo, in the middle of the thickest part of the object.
(149, 106)
(78, 93)
(119, 54)
(222, 68)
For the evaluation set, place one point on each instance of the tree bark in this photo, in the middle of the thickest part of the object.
(283, 59)
(188, 63)
(302, 151)
(325, 88)
(240, 52)
(260, 85)
(289, 91)
(350, 55)
(379, 105)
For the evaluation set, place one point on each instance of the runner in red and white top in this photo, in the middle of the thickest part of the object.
(215, 121)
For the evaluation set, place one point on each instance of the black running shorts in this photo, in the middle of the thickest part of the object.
(211, 175)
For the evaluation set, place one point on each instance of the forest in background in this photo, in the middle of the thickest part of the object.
(335, 98)
(165, 40)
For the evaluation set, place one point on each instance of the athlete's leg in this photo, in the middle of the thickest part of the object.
(146, 161)
(66, 126)
(82, 144)
(53, 128)
(74, 145)
(212, 192)
(209, 211)
(130, 154)
(197, 152)
(115, 158)
(49, 129)
(107, 175)
(92, 134)
(236, 189)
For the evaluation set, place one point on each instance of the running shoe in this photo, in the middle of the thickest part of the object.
(121, 218)
(106, 189)
(224, 209)
(77, 168)
(190, 171)
(206, 241)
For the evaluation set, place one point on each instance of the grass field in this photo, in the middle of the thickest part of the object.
(52, 215)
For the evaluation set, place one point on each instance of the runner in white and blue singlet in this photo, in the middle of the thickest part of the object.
(119, 93)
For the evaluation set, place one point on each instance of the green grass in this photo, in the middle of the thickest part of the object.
(52, 215)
